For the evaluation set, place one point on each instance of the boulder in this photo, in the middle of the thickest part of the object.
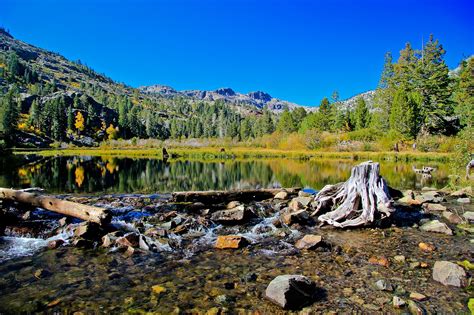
(88, 231)
(452, 217)
(469, 215)
(291, 291)
(462, 193)
(131, 239)
(231, 241)
(300, 216)
(436, 227)
(433, 207)
(233, 204)
(464, 200)
(300, 203)
(303, 193)
(449, 273)
(239, 214)
(410, 201)
(309, 241)
(430, 196)
(282, 195)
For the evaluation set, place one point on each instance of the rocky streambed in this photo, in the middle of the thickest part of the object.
(264, 257)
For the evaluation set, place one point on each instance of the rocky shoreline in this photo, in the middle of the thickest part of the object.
(437, 223)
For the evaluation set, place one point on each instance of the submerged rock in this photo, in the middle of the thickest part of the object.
(398, 302)
(449, 273)
(384, 285)
(55, 244)
(436, 227)
(309, 241)
(418, 296)
(231, 241)
(291, 291)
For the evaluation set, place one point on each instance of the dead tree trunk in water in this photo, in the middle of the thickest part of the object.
(216, 196)
(73, 209)
(357, 200)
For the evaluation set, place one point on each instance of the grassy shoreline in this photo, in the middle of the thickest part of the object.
(213, 153)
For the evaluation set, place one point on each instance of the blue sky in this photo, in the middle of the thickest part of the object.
(296, 50)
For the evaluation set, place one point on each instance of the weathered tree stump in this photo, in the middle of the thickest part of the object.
(356, 201)
(468, 168)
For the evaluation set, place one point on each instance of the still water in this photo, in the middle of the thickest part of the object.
(85, 174)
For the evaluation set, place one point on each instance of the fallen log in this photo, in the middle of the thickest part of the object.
(356, 201)
(221, 196)
(69, 208)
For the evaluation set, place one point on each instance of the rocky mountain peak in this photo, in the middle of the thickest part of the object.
(225, 92)
(261, 96)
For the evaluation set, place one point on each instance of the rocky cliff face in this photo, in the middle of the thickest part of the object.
(258, 99)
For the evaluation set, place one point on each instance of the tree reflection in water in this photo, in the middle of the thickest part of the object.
(85, 174)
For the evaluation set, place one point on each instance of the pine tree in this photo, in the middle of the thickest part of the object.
(433, 83)
(286, 124)
(70, 118)
(404, 116)
(361, 114)
(10, 113)
(384, 96)
(325, 118)
(464, 96)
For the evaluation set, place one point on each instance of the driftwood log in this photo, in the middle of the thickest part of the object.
(221, 196)
(356, 201)
(69, 208)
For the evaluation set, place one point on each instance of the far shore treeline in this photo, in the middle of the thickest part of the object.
(419, 104)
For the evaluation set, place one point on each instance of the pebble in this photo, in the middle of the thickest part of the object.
(426, 247)
(398, 302)
(384, 285)
(417, 296)
(399, 258)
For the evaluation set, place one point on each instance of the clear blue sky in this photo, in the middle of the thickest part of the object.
(295, 50)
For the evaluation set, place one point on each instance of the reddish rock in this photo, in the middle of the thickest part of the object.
(381, 261)
(309, 241)
(231, 241)
(128, 240)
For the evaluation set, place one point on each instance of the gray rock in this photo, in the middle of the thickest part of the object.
(295, 217)
(434, 207)
(302, 193)
(449, 273)
(239, 214)
(452, 217)
(464, 200)
(291, 291)
(436, 227)
(299, 203)
(384, 285)
(469, 215)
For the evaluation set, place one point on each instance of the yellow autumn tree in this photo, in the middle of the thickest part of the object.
(79, 124)
(111, 132)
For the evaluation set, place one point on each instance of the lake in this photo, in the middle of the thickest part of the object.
(89, 175)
